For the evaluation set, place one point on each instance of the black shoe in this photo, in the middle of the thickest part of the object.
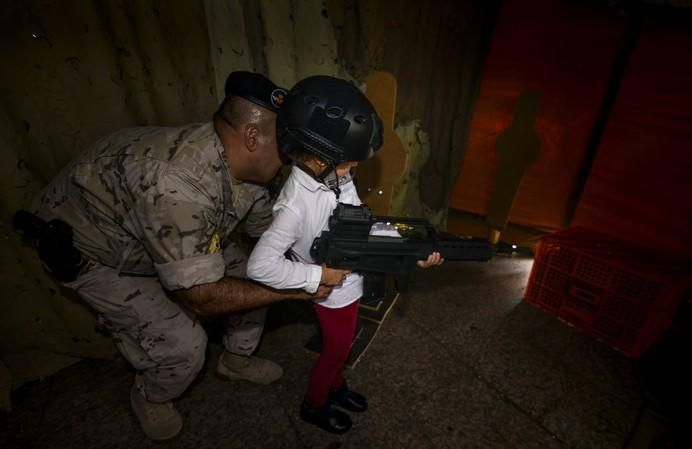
(348, 399)
(325, 417)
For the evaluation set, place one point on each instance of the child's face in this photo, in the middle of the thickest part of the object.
(343, 168)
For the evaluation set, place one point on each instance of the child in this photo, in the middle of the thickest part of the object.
(325, 126)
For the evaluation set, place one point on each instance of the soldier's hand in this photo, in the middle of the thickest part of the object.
(333, 276)
(434, 258)
(322, 292)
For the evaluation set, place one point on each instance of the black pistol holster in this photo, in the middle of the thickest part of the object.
(53, 240)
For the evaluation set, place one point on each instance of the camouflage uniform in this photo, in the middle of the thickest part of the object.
(153, 209)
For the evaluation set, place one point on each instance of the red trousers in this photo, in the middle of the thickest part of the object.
(338, 327)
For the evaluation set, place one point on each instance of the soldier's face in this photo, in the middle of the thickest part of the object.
(270, 160)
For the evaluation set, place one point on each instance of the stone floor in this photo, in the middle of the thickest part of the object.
(460, 362)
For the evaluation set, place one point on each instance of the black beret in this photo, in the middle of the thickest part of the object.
(255, 88)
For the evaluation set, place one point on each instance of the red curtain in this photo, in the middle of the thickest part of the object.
(564, 51)
(640, 184)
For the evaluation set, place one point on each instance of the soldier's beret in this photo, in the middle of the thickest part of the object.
(255, 88)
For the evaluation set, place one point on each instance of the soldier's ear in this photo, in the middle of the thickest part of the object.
(251, 135)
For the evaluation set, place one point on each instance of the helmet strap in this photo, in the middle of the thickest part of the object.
(321, 177)
(331, 168)
(289, 151)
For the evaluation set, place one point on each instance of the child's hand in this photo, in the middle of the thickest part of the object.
(433, 259)
(333, 276)
(322, 291)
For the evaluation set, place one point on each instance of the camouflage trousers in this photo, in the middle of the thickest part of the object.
(162, 340)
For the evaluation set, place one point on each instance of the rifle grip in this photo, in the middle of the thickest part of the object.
(401, 282)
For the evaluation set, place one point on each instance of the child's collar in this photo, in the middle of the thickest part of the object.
(307, 181)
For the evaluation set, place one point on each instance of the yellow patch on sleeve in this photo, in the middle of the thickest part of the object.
(214, 244)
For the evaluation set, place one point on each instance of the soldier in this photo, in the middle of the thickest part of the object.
(152, 210)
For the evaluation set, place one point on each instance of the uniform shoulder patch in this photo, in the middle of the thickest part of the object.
(214, 244)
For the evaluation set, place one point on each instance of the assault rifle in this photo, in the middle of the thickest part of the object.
(348, 244)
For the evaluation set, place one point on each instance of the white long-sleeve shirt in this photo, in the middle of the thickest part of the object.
(301, 213)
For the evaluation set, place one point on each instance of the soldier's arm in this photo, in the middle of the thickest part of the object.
(260, 216)
(184, 246)
(230, 295)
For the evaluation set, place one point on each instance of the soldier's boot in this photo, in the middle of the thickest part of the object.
(253, 369)
(158, 421)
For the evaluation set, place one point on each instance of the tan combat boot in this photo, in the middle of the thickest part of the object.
(250, 368)
(158, 421)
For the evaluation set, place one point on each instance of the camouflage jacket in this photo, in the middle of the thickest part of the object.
(156, 201)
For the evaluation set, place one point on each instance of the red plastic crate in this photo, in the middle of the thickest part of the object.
(620, 294)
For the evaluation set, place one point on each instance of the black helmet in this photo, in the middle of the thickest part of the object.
(331, 118)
